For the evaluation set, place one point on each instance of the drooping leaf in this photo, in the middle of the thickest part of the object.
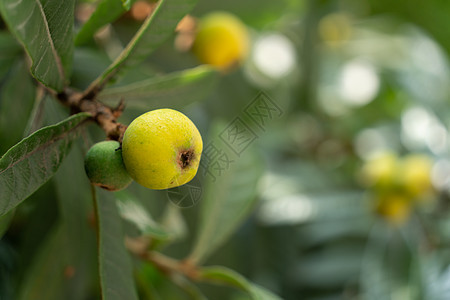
(74, 193)
(17, 95)
(148, 277)
(45, 29)
(75, 206)
(375, 281)
(260, 293)
(9, 50)
(172, 90)
(45, 277)
(432, 279)
(7, 268)
(115, 266)
(34, 160)
(191, 289)
(158, 27)
(173, 222)
(131, 210)
(228, 200)
(37, 218)
(106, 12)
(222, 275)
(4, 222)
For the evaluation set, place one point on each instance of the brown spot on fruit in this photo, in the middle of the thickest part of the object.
(185, 158)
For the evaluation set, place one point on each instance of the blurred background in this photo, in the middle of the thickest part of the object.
(346, 103)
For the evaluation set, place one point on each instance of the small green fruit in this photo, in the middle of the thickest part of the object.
(104, 166)
(162, 149)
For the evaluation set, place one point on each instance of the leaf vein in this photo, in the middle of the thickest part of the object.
(61, 136)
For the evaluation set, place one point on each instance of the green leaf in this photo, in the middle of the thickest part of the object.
(45, 29)
(45, 277)
(170, 228)
(131, 210)
(219, 274)
(106, 12)
(149, 278)
(375, 280)
(173, 222)
(34, 160)
(17, 95)
(126, 4)
(173, 90)
(4, 222)
(191, 289)
(37, 112)
(222, 275)
(158, 27)
(227, 202)
(260, 293)
(432, 15)
(116, 271)
(9, 50)
(88, 64)
(75, 205)
(74, 193)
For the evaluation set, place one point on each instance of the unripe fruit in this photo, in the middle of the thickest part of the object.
(222, 40)
(162, 149)
(104, 166)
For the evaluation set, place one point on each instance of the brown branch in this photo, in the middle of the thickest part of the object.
(171, 266)
(103, 115)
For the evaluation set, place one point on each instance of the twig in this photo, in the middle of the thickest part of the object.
(167, 265)
(103, 115)
(170, 266)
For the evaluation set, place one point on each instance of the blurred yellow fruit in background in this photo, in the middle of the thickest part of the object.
(415, 174)
(395, 208)
(397, 183)
(381, 170)
(222, 40)
(334, 29)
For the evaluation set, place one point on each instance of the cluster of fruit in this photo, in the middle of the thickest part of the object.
(398, 183)
(161, 149)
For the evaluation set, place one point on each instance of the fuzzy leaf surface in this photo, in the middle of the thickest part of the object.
(156, 29)
(45, 29)
(34, 160)
(172, 90)
(115, 265)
